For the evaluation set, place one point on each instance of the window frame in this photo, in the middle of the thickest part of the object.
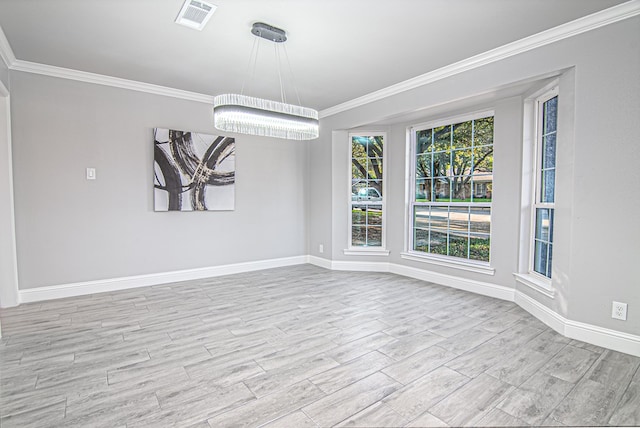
(367, 249)
(537, 181)
(410, 253)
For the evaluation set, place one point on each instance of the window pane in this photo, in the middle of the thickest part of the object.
(356, 171)
(439, 218)
(423, 190)
(359, 167)
(359, 147)
(359, 190)
(483, 132)
(482, 188)
(442, 190)
(423, 141)
(540, 258)
(358, 236)
(549, 260)
(462, 135)
(442, 138)
(483, 160)
(423, 166)
(421, 215)
(374, 236)
(461, 188)
(459, 220)
(374, 215)
(358, 217)
(374, 190)
(480, 221)
(543, 224)
(548, 185)
(421, 240)
(461, 162)
(441, 164)
(479, 247)
(549, 151)
(550, 115)
(438, 242)
(374, 147)
(458, 245)
(374, 168)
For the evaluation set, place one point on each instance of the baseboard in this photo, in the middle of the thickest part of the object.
(123, 283)
(319, 261)
(479, 287)
(600, 336)
(474, 286)
(540, 311)
(607, 338)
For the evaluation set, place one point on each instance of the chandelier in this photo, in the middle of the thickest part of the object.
(256, 116)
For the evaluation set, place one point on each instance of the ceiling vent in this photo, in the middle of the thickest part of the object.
(195, 14)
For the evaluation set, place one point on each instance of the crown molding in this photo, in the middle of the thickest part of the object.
(6, 53)
(581, 25)
(100, 79)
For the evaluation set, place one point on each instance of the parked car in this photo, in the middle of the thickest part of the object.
(366, 194)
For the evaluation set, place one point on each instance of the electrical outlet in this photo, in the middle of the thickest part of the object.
(321, 248)
(619, 311)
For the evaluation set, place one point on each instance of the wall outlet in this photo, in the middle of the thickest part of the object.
(619, 311)
(321, 248)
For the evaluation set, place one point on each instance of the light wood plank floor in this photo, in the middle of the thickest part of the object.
(302, 347)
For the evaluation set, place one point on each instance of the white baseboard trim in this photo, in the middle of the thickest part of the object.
(600, 336)
(319, 261)
(356, 266)
(479, 287)
(607, 338)
(540, 311)
(484, 288)
(123, 283)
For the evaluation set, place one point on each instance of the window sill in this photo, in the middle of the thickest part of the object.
(477, 267)
(366, 252)
(540, 285)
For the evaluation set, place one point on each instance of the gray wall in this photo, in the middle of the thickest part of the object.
(70, 229)
(597, 245)
(4, 73)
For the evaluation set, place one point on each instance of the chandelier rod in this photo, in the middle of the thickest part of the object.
(253, 58)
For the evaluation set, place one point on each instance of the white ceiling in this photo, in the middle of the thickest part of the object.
(338, 49)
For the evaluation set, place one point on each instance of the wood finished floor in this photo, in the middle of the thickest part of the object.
(302, 347)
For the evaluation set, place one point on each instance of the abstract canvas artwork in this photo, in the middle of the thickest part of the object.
(193, 171)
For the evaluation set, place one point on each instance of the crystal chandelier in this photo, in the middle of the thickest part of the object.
(256, 116)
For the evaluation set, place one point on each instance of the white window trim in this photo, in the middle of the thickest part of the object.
(352, 250)
(367, 251)
(536, 282)
(530, 186)
(409, 253)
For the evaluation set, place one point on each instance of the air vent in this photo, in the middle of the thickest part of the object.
(195, 14)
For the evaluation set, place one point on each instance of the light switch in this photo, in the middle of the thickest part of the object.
(91, 173)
